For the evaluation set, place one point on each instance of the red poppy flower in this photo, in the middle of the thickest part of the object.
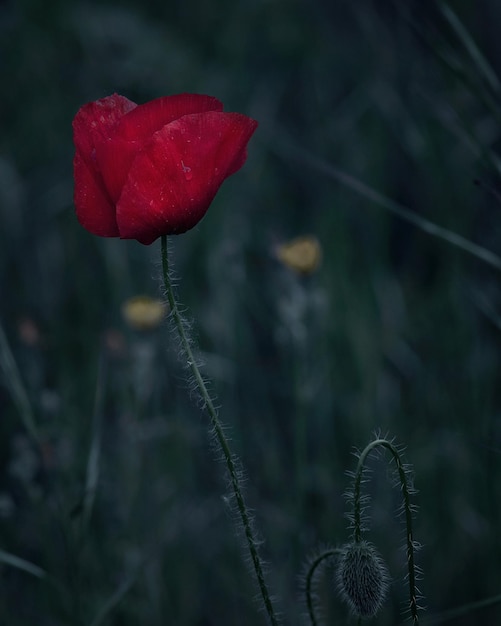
(153, 169)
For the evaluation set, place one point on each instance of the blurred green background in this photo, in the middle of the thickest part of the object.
(397, 331)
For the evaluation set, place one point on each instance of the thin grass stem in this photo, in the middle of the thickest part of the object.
(397, 209)
(16, 387)
(93, 461)
(461, 611)
(483, 67)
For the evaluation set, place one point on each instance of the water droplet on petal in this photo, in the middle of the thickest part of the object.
(188, 174)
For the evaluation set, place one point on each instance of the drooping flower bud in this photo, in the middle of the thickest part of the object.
(362, 578)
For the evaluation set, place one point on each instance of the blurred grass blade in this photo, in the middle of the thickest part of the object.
(478, 58)
(486, 308)
(460, 611)
(22, 564)
(390, 205)
(93, 462)
(16, 387)
(114, 600)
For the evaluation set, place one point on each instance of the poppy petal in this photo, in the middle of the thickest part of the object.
(94, 121)
(91, 126)
(140, 123)
(173, 180)
(114, 156)
(94, 209)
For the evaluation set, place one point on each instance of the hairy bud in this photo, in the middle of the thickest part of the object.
(362, 578)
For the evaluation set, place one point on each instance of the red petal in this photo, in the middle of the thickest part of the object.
(94, 209)
(115, 156)
(94, 121)
(146, 119)
(173, 180)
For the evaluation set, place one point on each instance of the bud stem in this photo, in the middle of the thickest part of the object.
(357, 514)
(310, 576)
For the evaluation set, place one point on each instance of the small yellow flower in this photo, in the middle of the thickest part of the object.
(303, 254)
(143, 312)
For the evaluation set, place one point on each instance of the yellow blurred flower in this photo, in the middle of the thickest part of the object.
(303, 254)
(143, 312)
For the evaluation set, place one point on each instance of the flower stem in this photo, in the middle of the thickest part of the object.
(218, 430)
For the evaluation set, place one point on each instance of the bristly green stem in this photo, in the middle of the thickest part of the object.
(406, 491)
(221, 439)
(318, 560)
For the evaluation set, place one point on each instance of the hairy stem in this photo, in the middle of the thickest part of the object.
(221, 439)
(314, 564)
(406, 490)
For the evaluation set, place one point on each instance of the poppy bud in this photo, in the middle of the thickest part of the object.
(362, 578)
